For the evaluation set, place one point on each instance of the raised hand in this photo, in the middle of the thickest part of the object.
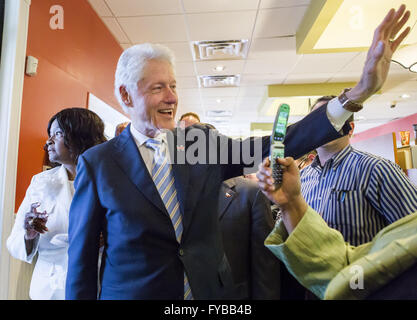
(385, 42)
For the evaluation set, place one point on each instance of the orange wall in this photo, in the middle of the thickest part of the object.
(79, 59)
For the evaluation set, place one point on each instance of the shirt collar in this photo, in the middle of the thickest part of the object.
(316, 162)
(336, 159)
(140, 138)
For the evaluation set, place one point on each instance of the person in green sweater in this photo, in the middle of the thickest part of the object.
(317, 255)
(319, 258)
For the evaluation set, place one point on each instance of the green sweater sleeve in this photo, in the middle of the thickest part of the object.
(319, 258)
(313, 253)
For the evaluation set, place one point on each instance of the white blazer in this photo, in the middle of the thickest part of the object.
(55, 192)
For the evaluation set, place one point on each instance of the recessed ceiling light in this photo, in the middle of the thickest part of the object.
(405, 96)
(219, 68)
(219, 100)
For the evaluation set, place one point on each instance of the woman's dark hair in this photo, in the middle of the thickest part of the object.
(82, 129)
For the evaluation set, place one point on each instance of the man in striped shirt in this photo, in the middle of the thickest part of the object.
(356, 192)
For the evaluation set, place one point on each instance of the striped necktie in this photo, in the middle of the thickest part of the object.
(165, 184)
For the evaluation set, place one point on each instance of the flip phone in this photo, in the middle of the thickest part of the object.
(277, 142)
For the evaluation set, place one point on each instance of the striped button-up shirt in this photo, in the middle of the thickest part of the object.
(358, 193)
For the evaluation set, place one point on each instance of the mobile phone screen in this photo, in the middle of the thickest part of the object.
(281, 121)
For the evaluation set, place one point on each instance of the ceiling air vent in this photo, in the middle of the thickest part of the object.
(219, 81)
(220, 50)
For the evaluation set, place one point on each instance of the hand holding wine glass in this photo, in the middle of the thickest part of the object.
(35, 222)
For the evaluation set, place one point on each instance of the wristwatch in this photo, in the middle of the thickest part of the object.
(347, 104)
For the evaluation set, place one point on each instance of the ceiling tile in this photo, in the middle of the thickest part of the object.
(308, 78)
(189, 93)
(275, 65)
(397, 68)
(116, 30)
(276, 48)
(129, 8)
(273, 56)
(101, 8)
(232, 67)
(253, 91)
(323, 62)
(252, 109)
(398, 76)
(353, 70)
(392, 96)
(261, 79)
(401, 86)
(187, 82)
(187, 99)
(221, 26)
(214, 102)
(253, 102)
(184, 69)
(245, 114)
(190, 105)
(267, 4)
(181, 51)
(357, 63)
(380, 108)
(219, 92)
(155, 29)
(278, 22)
(193, 6)
(345, 76)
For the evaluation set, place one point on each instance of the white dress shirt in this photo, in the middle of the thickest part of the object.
(337, 114)
(148, 153)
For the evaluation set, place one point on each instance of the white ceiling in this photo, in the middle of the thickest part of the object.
(270, 27)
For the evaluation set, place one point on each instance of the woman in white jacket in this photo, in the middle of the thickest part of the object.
(41, 224)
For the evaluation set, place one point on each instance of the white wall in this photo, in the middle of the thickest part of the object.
(109, 115)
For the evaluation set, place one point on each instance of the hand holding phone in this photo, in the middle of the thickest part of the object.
(277, 142)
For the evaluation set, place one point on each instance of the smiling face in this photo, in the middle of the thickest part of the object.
(154, 104)
(57, 150)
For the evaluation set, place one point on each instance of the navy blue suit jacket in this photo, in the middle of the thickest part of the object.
(115, 194)
(245, 222)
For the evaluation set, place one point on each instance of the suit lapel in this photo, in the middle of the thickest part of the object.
(130, 161)
(226, 196)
